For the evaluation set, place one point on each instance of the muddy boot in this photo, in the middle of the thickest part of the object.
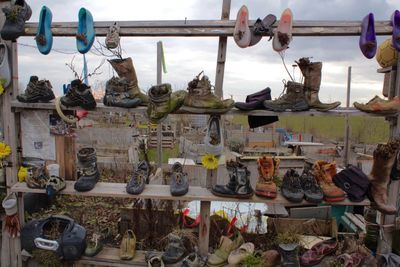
(125, 69)
(267, 169)
(87, 171)
(201, 100)
(312, 81)
(37, 91)
(379, 178)
(79, 95)
(293, 99)
(324, 172)
(163, 101)
(118, 94)
(36, 175)
(174, 251)
(289, 255)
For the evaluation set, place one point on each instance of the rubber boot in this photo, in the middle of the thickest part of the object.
(125, 69)
(312, 81)
(293, 99)
(379, 178)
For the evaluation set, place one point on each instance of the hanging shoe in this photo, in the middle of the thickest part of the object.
(213, 141)
(264, 26)
(112, 38)
(293, 100)
(79, 95)
(44, 36)
(200, 98)
(241, 33)
(16, 16)
(380, 106)
(127, 250)
(268, 168)
(118, 94)
(367, 41)
(283, 33)
(86, 33)
(179, 180)
(37, 91)
(291, 187)
(174, 251)
(140, 176)
(5, 71)
(395, 22)
(324, 172)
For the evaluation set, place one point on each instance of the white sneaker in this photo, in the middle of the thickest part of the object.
(112, 38)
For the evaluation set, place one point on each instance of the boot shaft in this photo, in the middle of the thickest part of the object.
(311, 72)
(125, 69)
(384, 157)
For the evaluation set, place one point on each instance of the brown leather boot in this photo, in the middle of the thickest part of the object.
(267, 169)
(312, 81)
(379, 178)
(324, 172)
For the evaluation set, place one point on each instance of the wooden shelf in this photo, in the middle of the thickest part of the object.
(18, 107)
(210, 28)
(387, 69)
(162, 192)
(110, 257)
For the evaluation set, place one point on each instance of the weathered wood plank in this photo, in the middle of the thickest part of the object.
(204, 227)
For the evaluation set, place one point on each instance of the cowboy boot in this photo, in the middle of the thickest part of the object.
(379, 178)
(312, 81)
(125, 69)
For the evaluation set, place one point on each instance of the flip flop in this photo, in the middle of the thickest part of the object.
(395, 22)
(242, 34)
(283, 33)
(367, 37)
(44, 36)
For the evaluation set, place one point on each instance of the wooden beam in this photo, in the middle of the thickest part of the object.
(204, 227)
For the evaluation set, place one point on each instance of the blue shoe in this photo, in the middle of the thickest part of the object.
(85, 35)
(44, 36)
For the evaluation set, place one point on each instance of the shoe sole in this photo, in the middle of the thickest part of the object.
(242, 26)
(312, 200)
(296, 108)
(334, 199)
(266, 194)
(205, 110)
(40, 100)
(232, 196)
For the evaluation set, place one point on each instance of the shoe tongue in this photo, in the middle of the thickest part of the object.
(34, 79)
(76, 82)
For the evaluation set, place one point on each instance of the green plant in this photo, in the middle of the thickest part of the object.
(251, 260)
(288, 238)
(46, 258)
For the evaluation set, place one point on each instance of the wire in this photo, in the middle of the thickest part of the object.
(282, 54)
(55, 50)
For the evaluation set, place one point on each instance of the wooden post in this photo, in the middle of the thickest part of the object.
(204, 228)
(347, 130)
(159, 126)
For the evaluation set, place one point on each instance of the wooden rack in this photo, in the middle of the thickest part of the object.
(219, 28)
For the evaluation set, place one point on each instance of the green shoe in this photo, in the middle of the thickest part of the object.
(201, 100)
(93, 246)
(163, 101)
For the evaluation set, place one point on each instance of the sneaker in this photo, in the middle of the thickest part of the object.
(79, 95)
(16, 15)
(112, 38)
(268, 168)
(179, 180)
(312, 191)
(291, 187)
(37, 91)
(191, 260)
(201, 100)
(226, 246)
(118, 94)
(174, 251)
(293, 100)
(140, 176)
(283, 32)
(380, 106)
(93, 246)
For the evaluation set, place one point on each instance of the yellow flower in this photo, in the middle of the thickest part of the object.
(210, 162)
(5, 150)
(22, 174)
(1, 88)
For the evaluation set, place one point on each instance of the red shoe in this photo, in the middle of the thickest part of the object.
(315, 255)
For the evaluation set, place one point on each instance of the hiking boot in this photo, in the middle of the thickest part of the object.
(213, 141)
(312, 81)
(117, 94)
(139, 179)
(179, 180)
(79, 95)
(324, 172)
(289, 255)
(54, 185)
(201, 100)
(163, 101)
(225, 247)
(37, 91)
(291, 187)
(379, 178)
(87, 171)
(16, 15)
(36, 175)
(174, 251)
(268, 168)
(239, 182)
(293, 100)
(380, 106)
(125, 69)
(312, 191)
(112, 38)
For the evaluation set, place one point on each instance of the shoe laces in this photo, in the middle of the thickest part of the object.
(282, 94)
(292, 182)
(138, 177)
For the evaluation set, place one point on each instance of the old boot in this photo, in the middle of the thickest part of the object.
(379, 178)
(163, 101)
(118, 94)
(37, 91)
(79, 95)
(293, 99)
(226, 246)
(125, 69)
(380, 106)
(174, 251)
(201, 100)
(289, 255)
(324, 172)
(312, 81)
(267, 169)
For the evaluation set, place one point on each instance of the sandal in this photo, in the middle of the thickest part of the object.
(128, 246)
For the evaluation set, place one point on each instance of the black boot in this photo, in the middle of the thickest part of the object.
(88, 173)
(79, 95)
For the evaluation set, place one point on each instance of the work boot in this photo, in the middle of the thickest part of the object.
(16, 15)
(87, 171)
(174, 251)
(239, 182)
(324, 172)
(36, 176)
(163, 101)
(201, 100)
(379, 178)
(125, 69)
(289, 255)
(293, 100)
(79, 95)
(117, 94)
(268, 168)
(179, 180)
(380, 106)
(226, 246)
(37, 91)
(312, 81)
(291, 187)
(139, 178)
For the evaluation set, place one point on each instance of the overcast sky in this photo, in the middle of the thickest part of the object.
(246, 70)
